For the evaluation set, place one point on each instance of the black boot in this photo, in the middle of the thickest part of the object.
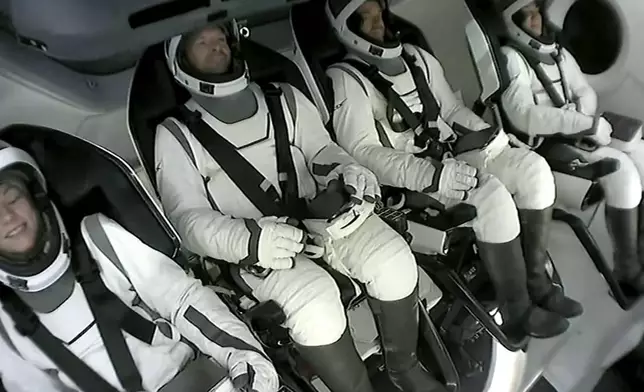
(338, 365)
(623, 229)
(534, 238)
(397, 323)
(507, 270)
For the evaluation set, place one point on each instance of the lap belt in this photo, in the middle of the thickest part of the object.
(112, 317)
(249, 180)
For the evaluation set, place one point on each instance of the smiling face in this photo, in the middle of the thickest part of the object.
(372, 25)
(209, 52)
(18, 220)
(533, 21)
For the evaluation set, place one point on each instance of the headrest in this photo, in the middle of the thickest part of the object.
(491, 22)
(83, 179)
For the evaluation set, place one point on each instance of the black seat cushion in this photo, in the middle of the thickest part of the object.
(84, 179)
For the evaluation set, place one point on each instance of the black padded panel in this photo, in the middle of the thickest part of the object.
(154, 95)
(84, 179)
(491, 22)
(266, 65)
(321, 48)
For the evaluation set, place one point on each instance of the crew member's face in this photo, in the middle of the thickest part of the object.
(373, 26)
(18, 220)
(209, 51)
(533, 21)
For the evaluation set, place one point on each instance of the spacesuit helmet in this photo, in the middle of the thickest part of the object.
(527, 26)
(208, 61)
(34, 247)
(363, 26)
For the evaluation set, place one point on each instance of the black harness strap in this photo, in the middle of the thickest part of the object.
(287, 175)
(111, 315)
(250, 182)
(548, 85)
(244, 175)
(426, 132)
(28, 324)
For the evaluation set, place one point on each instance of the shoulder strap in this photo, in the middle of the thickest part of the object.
(431, 109)
(111, 315)
(29, 325)
(290, 100)
(424, 127)
(286, 172)
(244, 175)
(545, 81)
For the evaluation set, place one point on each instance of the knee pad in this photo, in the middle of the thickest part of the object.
(623, 188)
(317, 316)
(536, 188)
(392, 272)
(497, 219)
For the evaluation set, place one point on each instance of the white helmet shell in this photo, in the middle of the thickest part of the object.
(55, 263)
(199, 86)
(338, 13)
(519, 35)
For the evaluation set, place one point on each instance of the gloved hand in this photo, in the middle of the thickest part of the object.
(360, 183)
(273, 243)
(454, 179)
(603, 132)
(572, 106)
(253, 375)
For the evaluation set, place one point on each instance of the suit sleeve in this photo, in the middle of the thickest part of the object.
(584, 93)
(324, 157)
(203, 229)
(526, 115)
(196, 311)
(355, 128)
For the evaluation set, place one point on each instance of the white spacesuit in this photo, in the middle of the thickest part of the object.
(568, 107)
(375, 129)
(176, 330)
(216, 218)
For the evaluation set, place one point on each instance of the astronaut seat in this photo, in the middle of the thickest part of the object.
(85, 179)
(455, 267)
(576, 180)
(154, 96)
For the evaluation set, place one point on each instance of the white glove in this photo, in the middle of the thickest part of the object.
(455, 179)
(273, 243)
(572, 106)
(603, 132)
(256, 376)
(360, 183)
